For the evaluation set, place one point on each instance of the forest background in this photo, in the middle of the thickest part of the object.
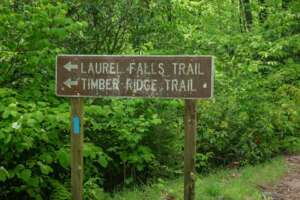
(254, 115)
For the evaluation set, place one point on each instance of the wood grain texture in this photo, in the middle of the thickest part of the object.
(86, 76)
(77, 150)
(190, 129)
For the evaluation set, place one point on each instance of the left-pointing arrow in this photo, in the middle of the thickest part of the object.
(69, 66)
(69, 83)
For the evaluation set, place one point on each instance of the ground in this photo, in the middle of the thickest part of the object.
(288, 188)
(246, 183)
(276, 179)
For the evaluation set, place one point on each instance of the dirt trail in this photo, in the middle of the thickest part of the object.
(289, 187)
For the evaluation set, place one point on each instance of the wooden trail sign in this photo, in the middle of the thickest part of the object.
(187, 77)
(134, 76)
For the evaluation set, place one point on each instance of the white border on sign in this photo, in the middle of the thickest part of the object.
(146, 97)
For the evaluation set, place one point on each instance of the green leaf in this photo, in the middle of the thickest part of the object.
(31, 122)
(25, 175)
(34, 182)
(38, 116)
(140, 167)
(45, 169)
(63, 157)
(3, 174)
(91, 150)
(46, 157)
(103, 161)
(7, 139)
(12, 106)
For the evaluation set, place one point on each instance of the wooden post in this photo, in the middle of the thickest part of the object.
(77, 148)
(190, 129)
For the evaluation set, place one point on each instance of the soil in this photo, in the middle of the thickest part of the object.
(289, 186)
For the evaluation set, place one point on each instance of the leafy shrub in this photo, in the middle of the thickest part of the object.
(254, 115)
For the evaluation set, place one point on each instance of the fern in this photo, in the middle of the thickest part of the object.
(60, 191)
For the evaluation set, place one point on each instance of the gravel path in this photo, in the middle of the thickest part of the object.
(289, 187)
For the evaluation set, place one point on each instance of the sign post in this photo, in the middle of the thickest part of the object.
(190, 130)
(185, 77)
(77, 148)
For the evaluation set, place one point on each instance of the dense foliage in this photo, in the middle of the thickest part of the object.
(254, 115)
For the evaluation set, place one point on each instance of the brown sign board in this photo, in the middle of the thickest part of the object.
(189, 77)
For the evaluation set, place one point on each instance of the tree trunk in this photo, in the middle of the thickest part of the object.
(246, 14)
(285, 4)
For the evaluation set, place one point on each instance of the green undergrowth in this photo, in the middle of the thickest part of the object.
(225, 184)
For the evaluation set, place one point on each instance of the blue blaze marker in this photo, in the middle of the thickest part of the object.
(76, 124)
